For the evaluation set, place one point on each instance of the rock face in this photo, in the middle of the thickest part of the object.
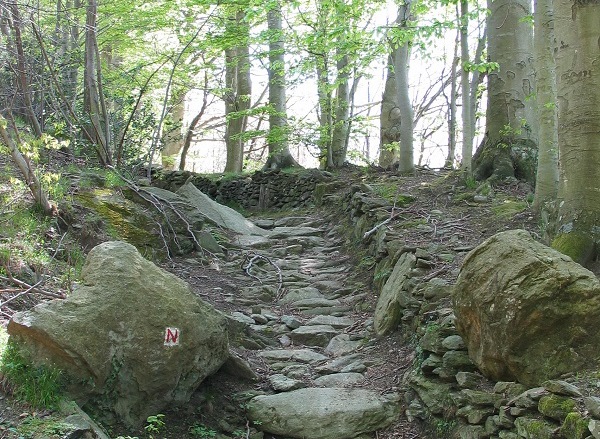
(526, 311)
(393, 296)
(322, 413)
(134, 332)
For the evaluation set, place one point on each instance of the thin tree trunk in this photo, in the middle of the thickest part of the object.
(467, 128)
(26, 169)
(22, 72)
(238, 81)
(277, 139)
(449, 163)
(389, 120)
(401, 60)
(325, 107)
(91, 93)
(546, 185)
(339, 137)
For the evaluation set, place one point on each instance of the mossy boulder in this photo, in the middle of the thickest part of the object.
(531, 428)
(555, 406)
(131, 338)
(527, 312)
(574, 426)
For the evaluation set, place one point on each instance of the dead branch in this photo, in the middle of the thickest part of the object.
(392, 217)
(32, 288)
(247, 266)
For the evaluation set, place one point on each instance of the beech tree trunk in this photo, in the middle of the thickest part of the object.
(577, 32)
(467, 118)
(509, 148)
(401, 59)
(91, 101)
(277, 140)
(237, 102)
(546, 185)
(339, 136)
(389, 120)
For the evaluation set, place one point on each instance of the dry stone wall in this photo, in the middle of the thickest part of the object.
(261, 190)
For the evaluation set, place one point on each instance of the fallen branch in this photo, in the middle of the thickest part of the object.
(32, 288)
(392, 217)
(247, 266)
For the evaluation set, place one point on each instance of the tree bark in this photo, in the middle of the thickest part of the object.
(546, 185)
(277, 140)
(401, 59)
(339, 136)
(22, 71)
(467, 127)
(510, 145)
(237, 102)
(389, 120)
(577, 32)
(26, 169)
(91, 93)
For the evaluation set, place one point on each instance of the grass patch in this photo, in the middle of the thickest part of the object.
(39, 386)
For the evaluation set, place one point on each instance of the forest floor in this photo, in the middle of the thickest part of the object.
(465, 213)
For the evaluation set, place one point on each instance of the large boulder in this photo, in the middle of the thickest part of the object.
(323, 413)
(135, 334)
(527, 312)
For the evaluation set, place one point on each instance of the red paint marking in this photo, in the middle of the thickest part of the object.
(171, 336)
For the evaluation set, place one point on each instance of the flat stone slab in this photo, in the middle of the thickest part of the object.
(252, 241)
(282, 383)
(316, 335)
(342, 345)
(294, 232)
(219, 214)
(301, 294)
(315, 303)
(323, 413)
(340, 379)
(336, 322)
(300, 355)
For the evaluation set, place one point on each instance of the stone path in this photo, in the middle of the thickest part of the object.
(302, 321)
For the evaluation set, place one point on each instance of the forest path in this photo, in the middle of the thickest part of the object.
(302, 312)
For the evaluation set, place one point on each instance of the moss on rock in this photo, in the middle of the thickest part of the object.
(574, 426)
(555, 406)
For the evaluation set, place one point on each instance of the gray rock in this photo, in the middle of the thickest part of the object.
(339, 379)
(301, 355)
(594, 427)
(338, 364)
(282, 383)
(394, 296)
(296, 371)
(336, 322)
(285, 232)
(511, 288)
(316, 335)
(457, 360)
(357, 366)
(342, 344)
(468, 380)
(471, 432)
(322, 413)
(481, 398)
(242, 318)
(454, 343)
(291, 322)
(218, 214)
(136, 332)
(509, 389)
(592, 403)
(433, 394)
(314, 303)
(561, 387)
(301, 294)
(328, 286)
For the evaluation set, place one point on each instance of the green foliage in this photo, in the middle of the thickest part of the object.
(40, 386)
(34, 427)
(201, 431)
(154, 424)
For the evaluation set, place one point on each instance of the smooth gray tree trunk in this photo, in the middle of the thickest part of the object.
(577, 32)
